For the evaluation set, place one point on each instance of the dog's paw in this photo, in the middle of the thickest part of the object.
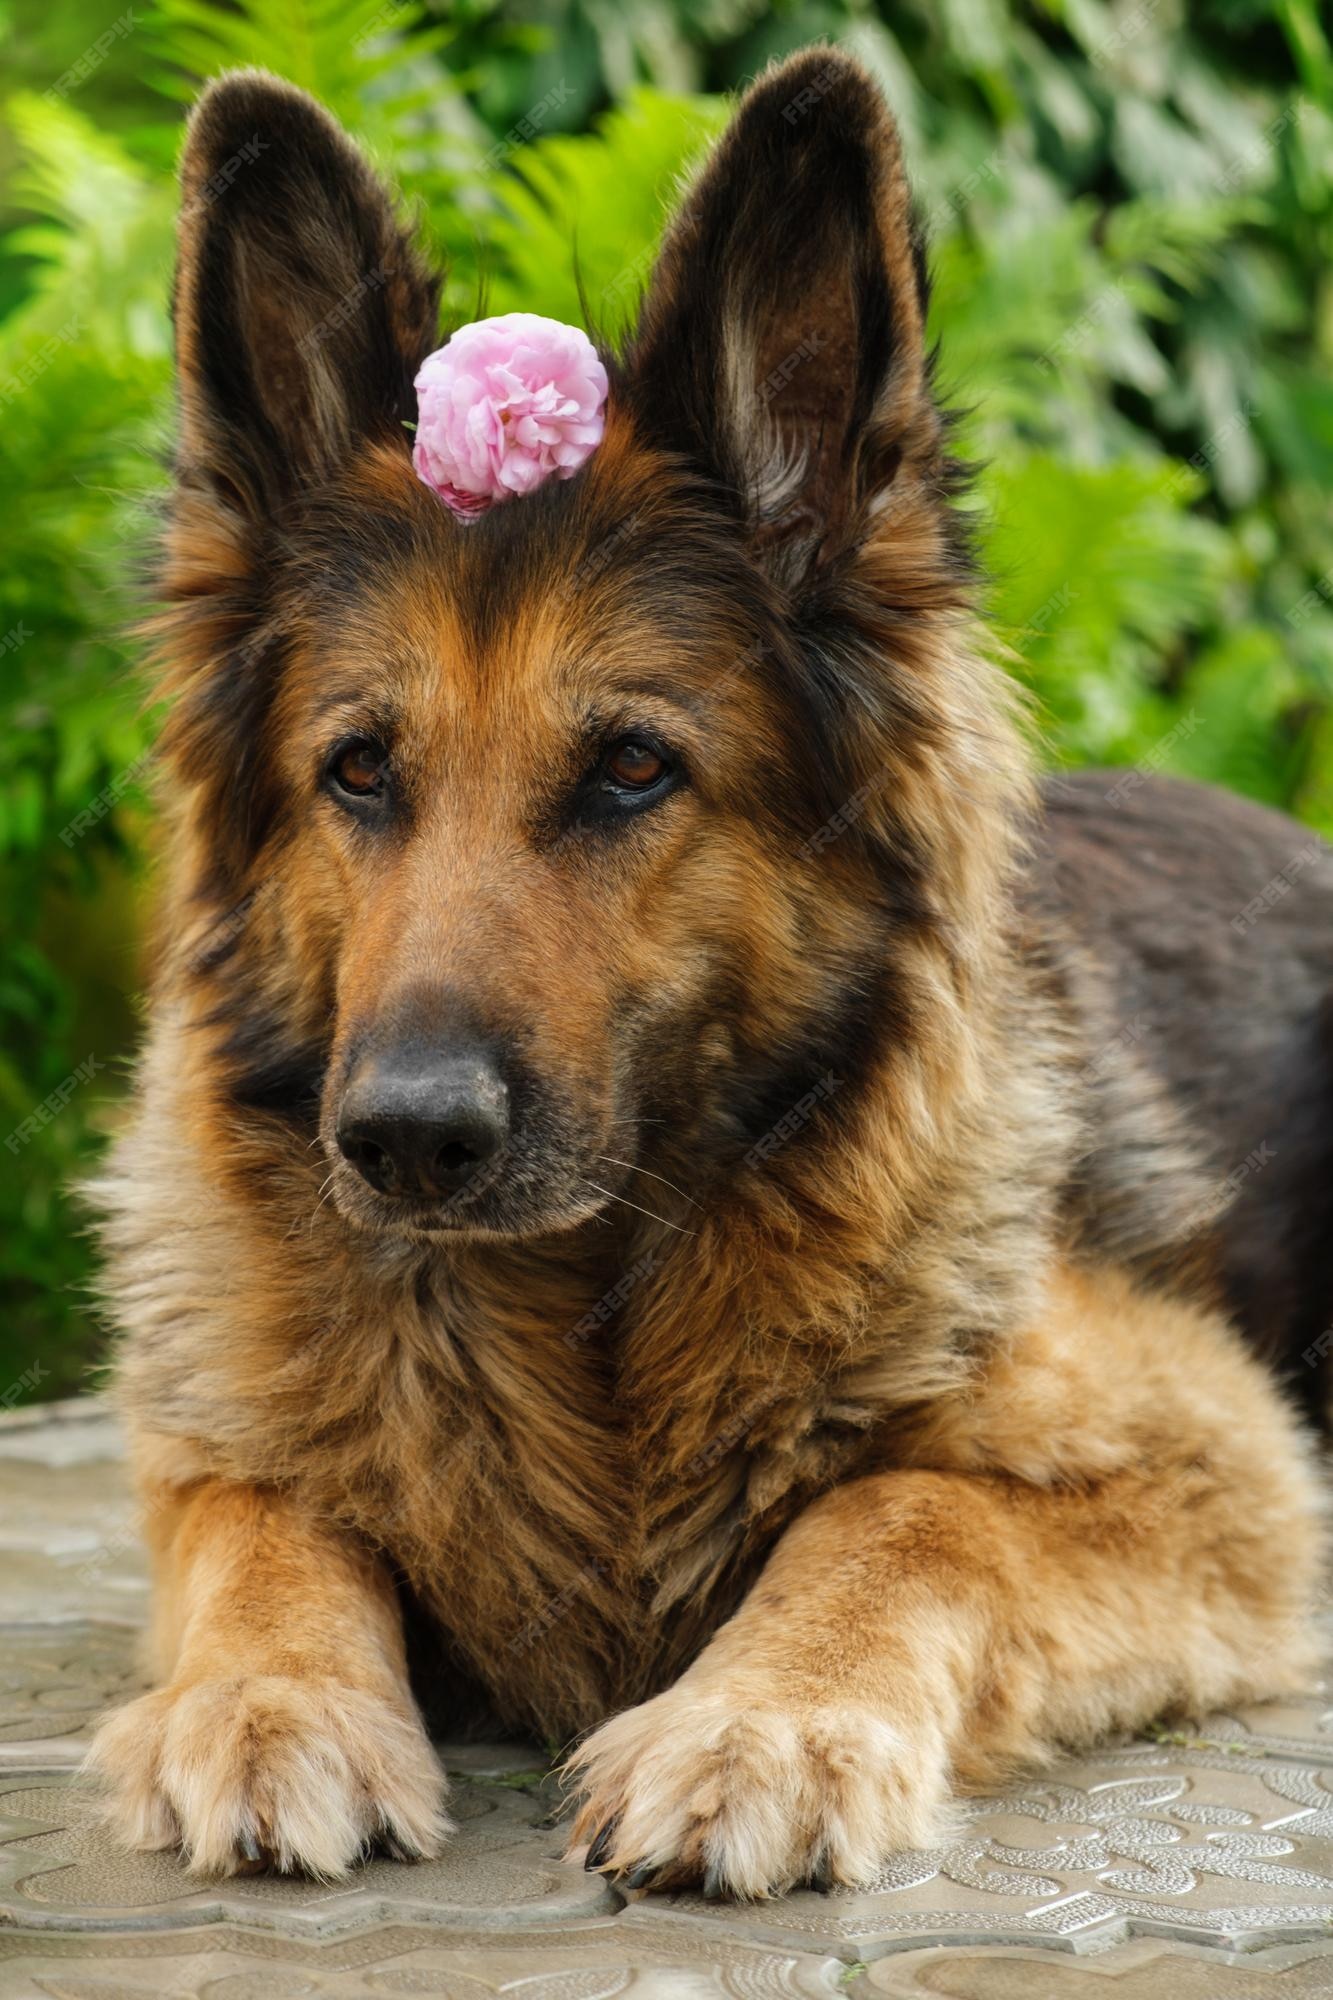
(306, 1776)
(709, 1788)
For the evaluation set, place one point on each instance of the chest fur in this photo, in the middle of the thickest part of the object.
(575, 1547)
(578, 1476)
(575, 1508)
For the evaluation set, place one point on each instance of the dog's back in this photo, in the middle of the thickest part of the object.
(1200, 928)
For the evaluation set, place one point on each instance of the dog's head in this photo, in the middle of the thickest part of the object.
(541, 851)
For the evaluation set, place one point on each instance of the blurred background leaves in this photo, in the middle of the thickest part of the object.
(1130, 211)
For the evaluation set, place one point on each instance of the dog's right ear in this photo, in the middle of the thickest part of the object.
(302, 315)
(302, 310)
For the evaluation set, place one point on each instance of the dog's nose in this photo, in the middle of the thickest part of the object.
(423, 1124)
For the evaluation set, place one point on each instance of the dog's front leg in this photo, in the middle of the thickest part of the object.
(286, 1729)
(1117, 1521)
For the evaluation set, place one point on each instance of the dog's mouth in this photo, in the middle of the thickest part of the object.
(444, 1144)
(510, 1195)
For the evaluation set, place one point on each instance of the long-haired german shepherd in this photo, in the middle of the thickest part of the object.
(673, 1194)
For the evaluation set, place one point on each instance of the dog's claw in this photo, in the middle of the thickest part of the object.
(250, 1848)
(712, 1882)
(638, 1876)
(821, 1875)
(601, 1846)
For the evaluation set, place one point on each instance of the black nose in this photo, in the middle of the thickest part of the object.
(422, 1123)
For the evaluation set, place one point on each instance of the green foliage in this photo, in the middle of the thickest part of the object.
(1130, 210)
(556, 195)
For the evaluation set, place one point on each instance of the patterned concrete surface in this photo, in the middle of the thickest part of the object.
(1194, 1867)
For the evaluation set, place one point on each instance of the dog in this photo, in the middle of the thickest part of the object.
(678, 1201)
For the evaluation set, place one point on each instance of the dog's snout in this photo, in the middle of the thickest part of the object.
(421, 1124)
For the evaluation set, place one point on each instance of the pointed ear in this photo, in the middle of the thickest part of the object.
(302, 310)
(781, 345)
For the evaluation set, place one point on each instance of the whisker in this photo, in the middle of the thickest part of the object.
(325, 1191)
(642, 1211)
(652, 1177)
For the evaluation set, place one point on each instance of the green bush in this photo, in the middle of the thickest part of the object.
(1130, 210)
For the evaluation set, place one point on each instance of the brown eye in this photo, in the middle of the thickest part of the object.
(635, 765)
(358, 767)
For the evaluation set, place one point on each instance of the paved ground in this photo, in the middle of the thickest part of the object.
(1193, 1868)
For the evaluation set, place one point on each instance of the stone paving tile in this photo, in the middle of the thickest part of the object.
(1144, 1970)
(55, 1680)
(1197, 1846)
(58, 1869)
(1189, 1867)
(590, 1962)
(69, 1546)
(1303, 1730)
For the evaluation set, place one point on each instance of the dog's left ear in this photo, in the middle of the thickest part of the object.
(780, 344)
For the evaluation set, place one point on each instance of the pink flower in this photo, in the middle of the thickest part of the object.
(502, 406)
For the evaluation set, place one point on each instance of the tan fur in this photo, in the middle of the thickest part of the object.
(1086, 1544)
(297, 1736)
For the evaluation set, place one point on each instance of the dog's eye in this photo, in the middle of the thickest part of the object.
(635, 766)
(358, 767)
(632, 774)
